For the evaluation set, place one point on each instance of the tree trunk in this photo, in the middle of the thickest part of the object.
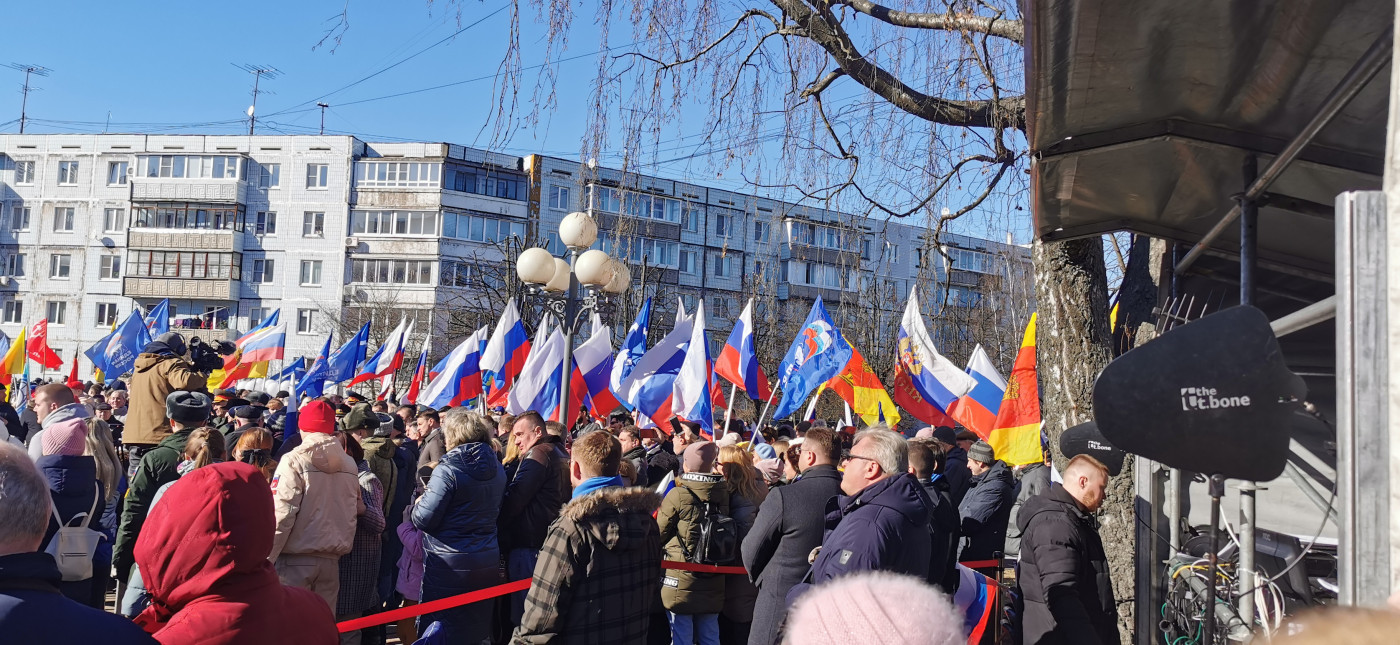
(1073, 346)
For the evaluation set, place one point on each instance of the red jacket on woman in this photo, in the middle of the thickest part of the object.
(203, 553)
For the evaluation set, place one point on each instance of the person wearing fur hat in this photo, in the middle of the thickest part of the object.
(693, 601)
(319, 478)
(158, 467)
(75, 491)
(599, 573)
(874, 607)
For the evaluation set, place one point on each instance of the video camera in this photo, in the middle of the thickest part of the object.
(207, 357)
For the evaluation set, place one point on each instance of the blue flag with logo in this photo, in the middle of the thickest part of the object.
(342, 364)
(124, 344)
(313, 383)
(97, 353)
(818, 353)
(158, 320)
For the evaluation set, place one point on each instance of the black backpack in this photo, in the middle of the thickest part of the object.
(718, 539)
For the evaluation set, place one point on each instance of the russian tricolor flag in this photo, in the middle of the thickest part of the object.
(537, 387)
(737, 362)
(691, 397)
(411, 396)
(459, 375)
(505, 354)
(634, 345)
(387, 359)
(593, 365)
(650, 385)
(926, 382)
(977, 410)
(266, 345)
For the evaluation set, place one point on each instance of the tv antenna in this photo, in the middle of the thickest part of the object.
(29, 70)
(323, 107)
(258, 72)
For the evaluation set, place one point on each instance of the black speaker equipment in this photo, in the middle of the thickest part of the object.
(1085, 439)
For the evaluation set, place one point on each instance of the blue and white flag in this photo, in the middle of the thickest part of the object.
(130, 337)
(158, 319)
(817, 354)
(313, 382)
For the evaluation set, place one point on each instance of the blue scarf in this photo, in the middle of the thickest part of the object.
(595, 484)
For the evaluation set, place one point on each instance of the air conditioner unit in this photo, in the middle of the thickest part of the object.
(352, 242)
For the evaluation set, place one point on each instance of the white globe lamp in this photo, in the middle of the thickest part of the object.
(594, 268)
(621, 278)
(535, 266)
(578, 230)
(560, 282)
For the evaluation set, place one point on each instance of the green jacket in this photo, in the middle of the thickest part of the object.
(158, 468)
(379, 453)
(684, 592)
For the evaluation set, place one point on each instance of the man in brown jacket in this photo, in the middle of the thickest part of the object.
(599, 573)
(160, 369)
(316, 498)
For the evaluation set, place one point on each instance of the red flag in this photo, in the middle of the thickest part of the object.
(39, 346)
(73, 373)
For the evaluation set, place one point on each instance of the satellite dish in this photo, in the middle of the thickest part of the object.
(250, 110)
(1213, 396)
(1085, 439)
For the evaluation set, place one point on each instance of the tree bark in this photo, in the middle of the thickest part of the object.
(1073, 345)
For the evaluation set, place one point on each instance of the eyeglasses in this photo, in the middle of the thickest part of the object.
(850, 458)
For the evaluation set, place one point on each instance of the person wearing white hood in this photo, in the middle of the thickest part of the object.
(53, 403)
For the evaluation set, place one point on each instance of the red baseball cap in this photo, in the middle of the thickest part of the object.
(316, 416)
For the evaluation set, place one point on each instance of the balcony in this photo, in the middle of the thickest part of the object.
(181, 288)
(189, 190)
(161, 239)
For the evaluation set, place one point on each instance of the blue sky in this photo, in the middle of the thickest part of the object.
(170, 67)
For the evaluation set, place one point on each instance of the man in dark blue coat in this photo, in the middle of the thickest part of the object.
(926, 462)
(789, 525)
(955, 468)
(987, 506)
(32, 610)
(881, 524)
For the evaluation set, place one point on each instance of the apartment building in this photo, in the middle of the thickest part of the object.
(333, 231)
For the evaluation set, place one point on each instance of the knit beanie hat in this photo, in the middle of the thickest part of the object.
(316, 416)
(874, 607)
(700, 457)
(65, 438)
(945, 435)
(187, 407)
(982, 451)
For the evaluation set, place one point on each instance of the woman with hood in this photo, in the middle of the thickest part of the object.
(210, 581)
(457, 515)
(75, 491)
(359, 569)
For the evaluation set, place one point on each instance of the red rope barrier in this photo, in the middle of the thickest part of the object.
(395, 615)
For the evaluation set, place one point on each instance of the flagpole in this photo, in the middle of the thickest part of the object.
(773, 393)
(728, 412)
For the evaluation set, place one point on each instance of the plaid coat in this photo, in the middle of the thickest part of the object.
(599, 574)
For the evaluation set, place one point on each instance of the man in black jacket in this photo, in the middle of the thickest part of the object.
(630, 439)
(926, 461)
(533, 498)
(955, 464)
(1064, 570)
(987, 505)
(788, 526)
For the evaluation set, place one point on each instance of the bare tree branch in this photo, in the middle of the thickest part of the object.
(1012, 30)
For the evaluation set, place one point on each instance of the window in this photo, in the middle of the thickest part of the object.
(317, 174)
(60, 266)
(14, 312)
(479, 181)
(313, 224)
(691, 219)
(184, 264)
(760, 231)
(305, 318)
(687, 262)
(67, 173)
(24, 172)
(263, 271)
(612, 200)
(392, 271)
(116, 173)
(106, 314)
(113, 219)
(189, 166)
(401, 223)
(559, 197)
(722, 266)
(58, 312)
(311, 272)
(19, 218)
(269, 175)
(111, 267)
(399, 174)
(256, 316)
(722, 224)
(265, 223)
(63, 219)
(969, 260)
(657, 253)
(187, 215)
(14, 265)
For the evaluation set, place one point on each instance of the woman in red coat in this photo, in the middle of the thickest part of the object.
(203, 552)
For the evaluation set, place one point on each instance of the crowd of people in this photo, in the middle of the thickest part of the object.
(241, 517)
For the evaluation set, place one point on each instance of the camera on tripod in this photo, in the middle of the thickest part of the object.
(209, 357)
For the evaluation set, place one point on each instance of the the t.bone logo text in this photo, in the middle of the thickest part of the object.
(1206, 398)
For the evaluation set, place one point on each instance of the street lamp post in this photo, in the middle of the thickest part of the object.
(558, 282)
